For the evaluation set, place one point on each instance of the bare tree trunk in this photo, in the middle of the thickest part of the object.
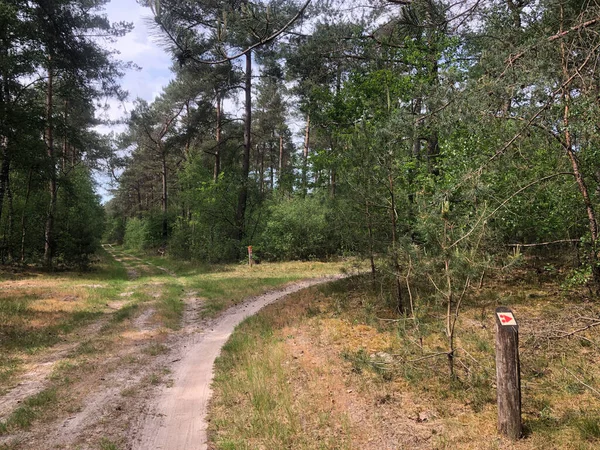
(4, 141)
(272, 165)
(333, 182)
(217, 168)
(65, 149)
(261, 167)
(568, 146)
(52, 185)
(280, 160)
(449, 299)
(395, 260)
(243, 195)
(433, 151)
(24, 216)
(416, 138)
(187, 131)
(11, 222)
(164, 199)
(138, 190)
(370, 229)
(4, 171)
(305, 157)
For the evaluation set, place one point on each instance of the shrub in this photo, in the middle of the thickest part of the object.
(300, 229)
(136, 234)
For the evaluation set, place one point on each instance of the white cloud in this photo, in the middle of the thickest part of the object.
(142, 48)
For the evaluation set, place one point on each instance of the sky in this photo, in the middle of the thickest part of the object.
(140, 47)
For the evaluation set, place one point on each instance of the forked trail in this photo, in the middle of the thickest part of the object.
(137, 384)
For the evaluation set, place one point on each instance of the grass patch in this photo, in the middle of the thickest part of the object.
(589, 426)
(156, 349)
(171, 305)
(31, 409)
(107, 444)
(125, 312)
(252, 376)
(344, 344)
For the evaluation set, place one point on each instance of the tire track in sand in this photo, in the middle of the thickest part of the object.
(177, 419)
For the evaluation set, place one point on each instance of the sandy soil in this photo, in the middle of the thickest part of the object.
(178, 418)
(149, 391)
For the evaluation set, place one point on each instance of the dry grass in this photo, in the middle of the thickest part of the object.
(227, 286)
(73, 332)
(343, 377)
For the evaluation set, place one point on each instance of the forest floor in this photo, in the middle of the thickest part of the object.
(86, 357)
(335, 367)
(99, 360)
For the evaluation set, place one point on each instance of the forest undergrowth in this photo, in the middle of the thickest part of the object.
(336, 367)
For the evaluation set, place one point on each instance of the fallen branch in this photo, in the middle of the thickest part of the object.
(579, 330)
(562, 241)
(594, 390)
(433, 355)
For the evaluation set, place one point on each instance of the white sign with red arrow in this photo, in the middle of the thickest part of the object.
(506, 318)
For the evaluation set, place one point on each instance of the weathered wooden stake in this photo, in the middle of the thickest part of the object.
(250, 260)
(508, 374)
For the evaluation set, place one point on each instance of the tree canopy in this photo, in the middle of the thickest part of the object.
(430, 137)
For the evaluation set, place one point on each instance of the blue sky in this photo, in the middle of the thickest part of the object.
(140, 47)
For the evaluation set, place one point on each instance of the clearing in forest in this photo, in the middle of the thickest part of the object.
(83, 355)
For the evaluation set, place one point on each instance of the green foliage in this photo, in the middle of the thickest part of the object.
(136, 235)
(115, 230)
(300, 228)
(80, 220)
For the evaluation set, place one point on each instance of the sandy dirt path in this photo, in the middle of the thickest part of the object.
(177, 418)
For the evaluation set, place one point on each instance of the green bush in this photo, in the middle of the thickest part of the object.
(300, 228)
(136, 234)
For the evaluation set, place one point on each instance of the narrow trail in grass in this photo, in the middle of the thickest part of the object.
(39, 368)
(130, 270)
(177, 419)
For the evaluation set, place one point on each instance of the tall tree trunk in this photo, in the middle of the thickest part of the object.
(4, 170)
(571, 154)
(280, 160)
(11, 222)
(305, 157)
(395, 260)
(333, 182)
(24, 216)
(433, 151)
(272, 165)
(416, 137)
(261, 167)
(52, 184)
(243, 195)
(217, 168)
(187, 131)
(138, 190)
(370, 229)
(65, 149)
(164, 198)
(4, 141)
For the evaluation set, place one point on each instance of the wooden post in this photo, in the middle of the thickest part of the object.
(250, 260)
(508, 374)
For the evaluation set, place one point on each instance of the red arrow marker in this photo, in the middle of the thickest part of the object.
(504, 318)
